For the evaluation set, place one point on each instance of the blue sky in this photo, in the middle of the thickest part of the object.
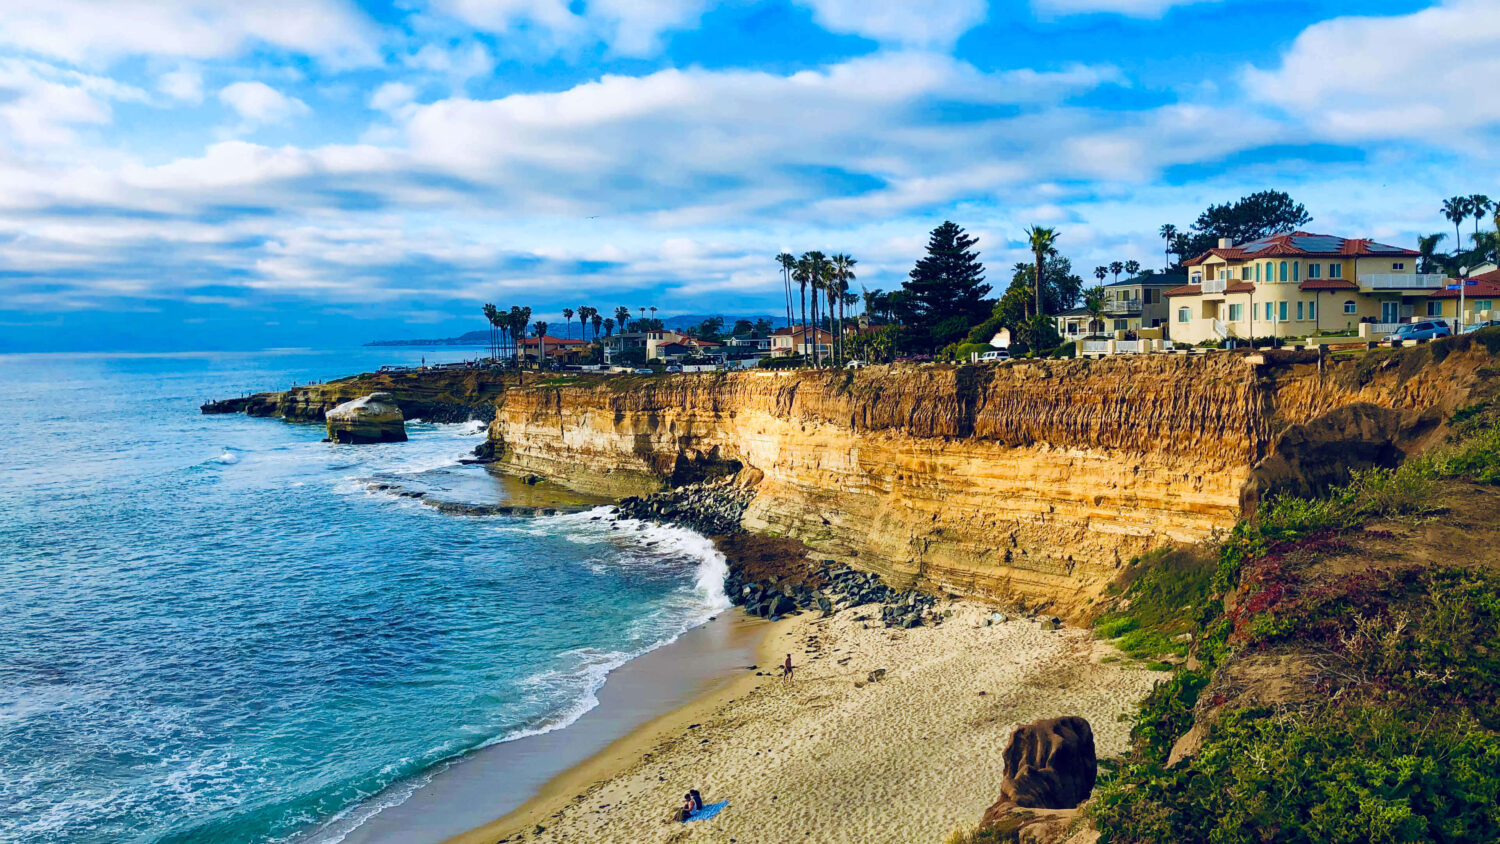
(199, 174)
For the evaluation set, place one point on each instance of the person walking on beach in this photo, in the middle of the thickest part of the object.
(786, 669)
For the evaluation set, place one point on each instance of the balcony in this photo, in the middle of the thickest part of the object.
(1402, 281)
(1215, 285)
(1122, 307)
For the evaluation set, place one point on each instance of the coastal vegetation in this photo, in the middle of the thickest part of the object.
(1336, 663)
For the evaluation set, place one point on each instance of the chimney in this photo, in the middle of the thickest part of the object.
(1226, 243)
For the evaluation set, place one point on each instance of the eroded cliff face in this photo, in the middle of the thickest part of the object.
(1030, 481)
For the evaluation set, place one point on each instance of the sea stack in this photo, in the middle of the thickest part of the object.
(375, 418)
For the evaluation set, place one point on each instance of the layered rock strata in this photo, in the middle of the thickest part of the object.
(369, 419)
(1030, 482)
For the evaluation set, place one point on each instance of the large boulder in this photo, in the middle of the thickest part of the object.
(375, 418)
(1050, 764)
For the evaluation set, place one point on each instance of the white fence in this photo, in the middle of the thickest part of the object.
(1093, 347)
(1403, 281)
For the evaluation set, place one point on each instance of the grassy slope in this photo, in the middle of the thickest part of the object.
(1343, 682)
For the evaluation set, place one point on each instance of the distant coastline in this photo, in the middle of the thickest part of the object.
(481, 339)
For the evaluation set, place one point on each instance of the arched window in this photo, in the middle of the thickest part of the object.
(1283, 271)
(1296, 271)
(1257, 272)
(1349, 306)
(1270, 272)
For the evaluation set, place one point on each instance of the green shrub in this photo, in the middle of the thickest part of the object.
(790, 362)
(1476, 457)
(1346, 774)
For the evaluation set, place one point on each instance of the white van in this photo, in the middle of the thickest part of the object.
(997, 356)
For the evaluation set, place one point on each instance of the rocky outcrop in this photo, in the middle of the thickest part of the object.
(1030, 483)
(1049, 764)
(435, 395)
(371, 419)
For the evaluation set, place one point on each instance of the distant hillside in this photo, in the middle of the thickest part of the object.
(471, 338)
(482, 338)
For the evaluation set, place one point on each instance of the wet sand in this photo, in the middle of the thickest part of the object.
(832, 756)
(497, 779)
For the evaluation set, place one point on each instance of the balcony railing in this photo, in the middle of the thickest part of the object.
(1122, 307)
(1403, 281)
(1215, 285)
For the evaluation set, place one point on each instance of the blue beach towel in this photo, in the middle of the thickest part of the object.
(708, 811)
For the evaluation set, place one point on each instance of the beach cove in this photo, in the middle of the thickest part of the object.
(832, 756)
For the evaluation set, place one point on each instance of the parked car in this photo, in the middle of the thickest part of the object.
(855, 364)
(997, 356)
(1489, 323)
(644, 371)
(674, 368)
(1421, 331)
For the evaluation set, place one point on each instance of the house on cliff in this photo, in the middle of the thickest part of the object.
(800, 341)
(1129, 305)
(1298, 284)
(559, 349)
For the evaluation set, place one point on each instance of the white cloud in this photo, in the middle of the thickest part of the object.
(932, 24)
(629, 27)
(458, 64)
(1426, 75)
(41, 104)
(1129, 8)
(85, 30)
(184, 83)
(259, 103)
(391, 96)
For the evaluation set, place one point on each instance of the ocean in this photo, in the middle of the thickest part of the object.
(211, 630)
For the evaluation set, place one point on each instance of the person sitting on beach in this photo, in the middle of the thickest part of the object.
(786, 668)
(696, 799)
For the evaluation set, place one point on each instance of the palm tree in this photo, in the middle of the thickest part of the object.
(653, 315)
(843, 273)
(1100, 273)
(596, 321)
(585, 314)
(1169, 234)
(1043, 241)
(818, 278)
(541, 343)
(568, 315)
(643, 318)
(1427, 245)
(1093, 302)
(1132, 268)
(803, 275)
(1479, 207)
(622, 316)
(519, 316)
(609, 326)
(490, 312)
(1115, 268)
(788, 263)
(1456, 209)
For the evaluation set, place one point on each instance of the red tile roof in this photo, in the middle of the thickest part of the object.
(1239, 287)
(1305, 243)
(1487, 285)
(1328, 284)
(1185, 290)
(552, 341)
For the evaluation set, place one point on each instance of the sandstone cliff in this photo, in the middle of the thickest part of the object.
(431, 395)
(1032, 481)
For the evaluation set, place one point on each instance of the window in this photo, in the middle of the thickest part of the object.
(1122, 325)
(1268, 312)
(1314, 270)
(1296, 271)
(1270, 271)
(1283, 271)
(1281, 311)
(1244, 273)
(1236, 313)
(1196, 279)
(1299, 310)
(1182, 315)
(1312, 309)
(1335, 270)
(1484, 304)
(1257, 272)
(1434, 307)
(1398, 265)
(1349, 306)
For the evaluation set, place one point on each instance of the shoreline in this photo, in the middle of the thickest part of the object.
(909, 757)
(497, 780)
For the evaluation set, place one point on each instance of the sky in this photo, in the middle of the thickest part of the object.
(201, 174)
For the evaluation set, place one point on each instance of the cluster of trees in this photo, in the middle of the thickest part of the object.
(1129, 268)
(1248, 218)
(828, 277)
(1484, 246)
(507, 328)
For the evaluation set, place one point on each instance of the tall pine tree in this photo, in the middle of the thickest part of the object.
(944, 295)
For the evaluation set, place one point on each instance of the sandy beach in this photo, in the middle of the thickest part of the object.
(831, 756)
